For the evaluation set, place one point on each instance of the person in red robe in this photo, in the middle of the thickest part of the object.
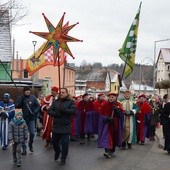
(99, 102)
(47, 119)
(73, 120)
(143, 119)
(110, 125)
(85, 109)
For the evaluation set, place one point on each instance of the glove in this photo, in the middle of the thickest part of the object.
(131, 112)
(3, 115)
(116, 111)
(110, 119)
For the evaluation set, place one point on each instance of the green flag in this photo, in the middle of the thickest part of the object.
(127, 52)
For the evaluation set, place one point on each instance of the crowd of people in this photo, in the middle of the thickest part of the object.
(114, 123)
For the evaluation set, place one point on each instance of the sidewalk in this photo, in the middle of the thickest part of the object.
(159, 135)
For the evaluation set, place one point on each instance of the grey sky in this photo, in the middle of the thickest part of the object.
(103, 26)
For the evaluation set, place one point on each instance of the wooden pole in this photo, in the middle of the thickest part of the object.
(59, 79)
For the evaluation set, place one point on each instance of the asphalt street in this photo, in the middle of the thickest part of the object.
(89, 157)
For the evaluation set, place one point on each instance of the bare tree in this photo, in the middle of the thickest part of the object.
(15, 10)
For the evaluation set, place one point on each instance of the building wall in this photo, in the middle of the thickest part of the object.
(5, 37)
(167, 71)
(115, 87)
(160, 69)
(108, 84)
(163, 70)
(48, 73)
(96, 85)
(3, 72)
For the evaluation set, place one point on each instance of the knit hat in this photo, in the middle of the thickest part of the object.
(54, 89)
(6, 96)
(26, 88)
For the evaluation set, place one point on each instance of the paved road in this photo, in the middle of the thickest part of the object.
(89, 157)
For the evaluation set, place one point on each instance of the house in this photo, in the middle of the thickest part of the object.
(5, 45)
(163, 70)
(116, 82)
(48, 76)
(92, 81)
(137, 88)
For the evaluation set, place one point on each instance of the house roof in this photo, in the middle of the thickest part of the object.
(137, 86)
(165, 54)
(114, 76)
(91, 74)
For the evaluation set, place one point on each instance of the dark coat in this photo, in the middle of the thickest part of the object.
(62, 110)
(166, 124)
(29, 105)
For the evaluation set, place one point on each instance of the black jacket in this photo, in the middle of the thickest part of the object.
(29, 105)
(62, 110)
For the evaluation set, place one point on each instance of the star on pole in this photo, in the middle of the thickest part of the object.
(57, 37)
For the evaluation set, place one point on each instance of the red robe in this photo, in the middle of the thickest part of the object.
(98, 105)
(47, 120)
(144, 110)
(114, 131)
(83, 107)
(73, 122)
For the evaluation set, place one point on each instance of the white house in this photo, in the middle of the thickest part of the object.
(163, 68)
(138, 88)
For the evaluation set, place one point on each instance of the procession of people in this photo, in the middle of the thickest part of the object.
(106, 119)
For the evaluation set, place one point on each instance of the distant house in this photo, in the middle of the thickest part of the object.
(137, 88)
(92, 81)
(163, 69)
(116, 82)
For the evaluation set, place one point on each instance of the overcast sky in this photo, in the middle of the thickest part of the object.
(103, 26)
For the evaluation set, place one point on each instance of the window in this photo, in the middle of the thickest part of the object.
(25, 73)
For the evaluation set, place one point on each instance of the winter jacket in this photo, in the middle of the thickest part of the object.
(62, 111)
(29, 105)
(18, 133)
(9, 109)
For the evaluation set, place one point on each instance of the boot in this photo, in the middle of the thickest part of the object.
(62, 162)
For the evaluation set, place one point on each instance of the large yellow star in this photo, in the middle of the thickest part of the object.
(57, 37)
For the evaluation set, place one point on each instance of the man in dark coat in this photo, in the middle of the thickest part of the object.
(30, 108)
(166, 124)
(62, 111)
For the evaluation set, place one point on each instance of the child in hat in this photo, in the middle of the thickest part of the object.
(18, 133)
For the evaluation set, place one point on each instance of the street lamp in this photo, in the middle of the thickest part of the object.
(154, 65)
(34, 44)
(33, 76)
